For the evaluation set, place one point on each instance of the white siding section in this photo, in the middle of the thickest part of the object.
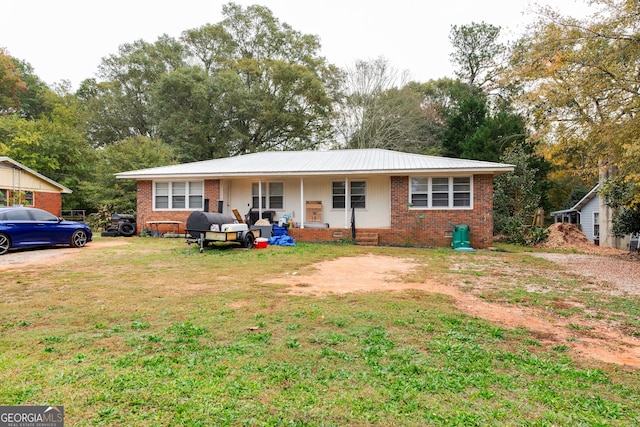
(586, 217)
(376, 215)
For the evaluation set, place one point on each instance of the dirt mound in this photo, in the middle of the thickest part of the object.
(568, 236)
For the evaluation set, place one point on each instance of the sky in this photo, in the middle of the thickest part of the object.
(67, 39)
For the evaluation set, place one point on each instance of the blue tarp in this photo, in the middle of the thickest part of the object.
(283, 240)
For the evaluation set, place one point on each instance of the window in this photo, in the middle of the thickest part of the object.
(272, 195)
(179, 195)
(357, 194)
(420, 192)
(461, 192)
(440, 192)
(596, 225)
(43, 216)
(28, 198)
(3, 197)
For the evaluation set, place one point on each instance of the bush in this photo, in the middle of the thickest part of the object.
(520, 234)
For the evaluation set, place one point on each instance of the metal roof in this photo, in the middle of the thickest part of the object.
(303, 163)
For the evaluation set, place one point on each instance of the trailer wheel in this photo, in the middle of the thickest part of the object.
(248, 240)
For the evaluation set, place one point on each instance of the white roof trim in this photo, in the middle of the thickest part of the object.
(309, 163)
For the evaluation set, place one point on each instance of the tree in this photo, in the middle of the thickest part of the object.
(11, 84)
(477, 53)
(52, 144)
(380, 110)
(583, 86)
(187, 112)
(274, 91)
(248, 83)
(130, 154)
(515, 197)
(118, 106)
(464, 122)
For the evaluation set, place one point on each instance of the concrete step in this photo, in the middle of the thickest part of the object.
(367, 239)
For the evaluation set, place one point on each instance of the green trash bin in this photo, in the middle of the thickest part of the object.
(460, 237)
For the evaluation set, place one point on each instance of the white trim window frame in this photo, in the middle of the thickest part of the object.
(272, 195)
(441, 192)
(357, 194)
(178, 195)
(596, 225)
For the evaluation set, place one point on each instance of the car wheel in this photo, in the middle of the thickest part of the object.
(79, 238)
(127, 229)
(5, 244)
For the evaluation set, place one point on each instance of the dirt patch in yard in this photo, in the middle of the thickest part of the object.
(370, 273)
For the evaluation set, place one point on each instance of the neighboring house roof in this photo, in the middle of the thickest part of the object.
(578, 206)
(347, 162)
(17, 165)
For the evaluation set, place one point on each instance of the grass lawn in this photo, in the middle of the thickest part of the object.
(152, 334)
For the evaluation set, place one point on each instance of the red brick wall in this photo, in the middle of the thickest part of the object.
(51, 202)
(428, 228)
(146, 213)
(434, 227)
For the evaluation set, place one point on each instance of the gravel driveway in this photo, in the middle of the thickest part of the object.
(623, 273)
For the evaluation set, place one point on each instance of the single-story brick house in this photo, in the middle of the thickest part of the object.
(398, 198)
(21, 185)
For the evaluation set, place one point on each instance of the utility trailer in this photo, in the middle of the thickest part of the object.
(210, 228)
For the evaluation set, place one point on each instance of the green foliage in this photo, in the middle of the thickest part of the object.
(618, 195)
(246, 84)
(464, 122)
(52, 144)
(626, 221)
(580, 74)
(517, 233)
(11, 84)
(515, 197)
(35, 100)
(118, 107)
(130, 154)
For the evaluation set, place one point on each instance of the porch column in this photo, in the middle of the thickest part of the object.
(346, 203)
(302, 208)
(259, 199)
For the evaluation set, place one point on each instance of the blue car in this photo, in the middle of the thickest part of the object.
(22, 227)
